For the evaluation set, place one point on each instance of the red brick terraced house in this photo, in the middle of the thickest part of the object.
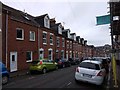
(75, 45)
(19, 39)
(79, 48)
(83, 48)
(26, 38)
(90, 50)
(46, 37)
(68, 44)
(60, 39)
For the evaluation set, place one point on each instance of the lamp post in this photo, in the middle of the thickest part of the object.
(113, 49)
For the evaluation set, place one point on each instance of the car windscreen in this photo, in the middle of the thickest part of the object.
(89, 65)
(35, 62)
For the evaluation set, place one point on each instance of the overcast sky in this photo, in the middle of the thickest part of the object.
(77, 15)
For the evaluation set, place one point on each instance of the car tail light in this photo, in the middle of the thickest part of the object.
(100, 73)
(40, 62)
(77, 70)
(60, 62)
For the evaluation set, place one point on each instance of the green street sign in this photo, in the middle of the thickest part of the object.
(101, 20)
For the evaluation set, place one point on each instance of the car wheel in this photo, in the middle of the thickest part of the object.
(56, 67)
(4, 79)
(31, 72)
(44, 70)
(76, 80)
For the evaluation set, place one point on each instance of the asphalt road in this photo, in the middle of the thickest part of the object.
(61, 78)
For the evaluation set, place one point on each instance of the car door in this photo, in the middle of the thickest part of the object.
(45, 64)
(52, 64)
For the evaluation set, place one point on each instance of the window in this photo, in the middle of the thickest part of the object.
(32, 36)
(57, 55)
(51, 39)
(67, 44)
(68, 33)
(57, 42)
(63, 42)
(13, 57)
(90, 65)
(41, 54)
(20, 34)
(70, 54)
(29, 56)
(46, 22)
(44, 37)
(50, 53)
(67, 55)
(70, 44)
(60, 29)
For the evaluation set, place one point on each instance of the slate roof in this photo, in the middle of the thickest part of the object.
(19, 15)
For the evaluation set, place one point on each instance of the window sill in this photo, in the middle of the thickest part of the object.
(45, 43)
(29, 61)
(20, 39)
(51, 44)
(32, 40)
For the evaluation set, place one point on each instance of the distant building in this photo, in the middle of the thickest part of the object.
(103, 51)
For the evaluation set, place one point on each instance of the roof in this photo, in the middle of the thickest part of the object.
(41, 16)
(19, 15)
(92, 61)
(72, 33)
(55, 25)
(66, 30)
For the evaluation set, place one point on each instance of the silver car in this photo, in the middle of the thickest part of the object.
(90, 71)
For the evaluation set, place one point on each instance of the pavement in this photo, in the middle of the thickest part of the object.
(19, 73)
(111, 82)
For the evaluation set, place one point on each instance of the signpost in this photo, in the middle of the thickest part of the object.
(106, 19)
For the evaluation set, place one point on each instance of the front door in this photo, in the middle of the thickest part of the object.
(67, 55)
(13, 61)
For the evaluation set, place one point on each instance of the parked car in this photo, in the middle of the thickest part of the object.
(74, 61)
(63, 63)
(5, 73)
(43, 65)
(77, 60)
(90, 71)
(104, 61)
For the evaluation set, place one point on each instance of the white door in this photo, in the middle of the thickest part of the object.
(13, 61)
(67, 55)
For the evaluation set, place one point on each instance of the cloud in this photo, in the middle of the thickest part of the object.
(80, 16)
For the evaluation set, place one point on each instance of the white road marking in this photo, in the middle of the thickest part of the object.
(68, 83)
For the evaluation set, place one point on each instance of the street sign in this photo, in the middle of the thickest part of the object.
(101, 20)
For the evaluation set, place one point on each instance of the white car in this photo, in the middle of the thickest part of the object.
(90, 71)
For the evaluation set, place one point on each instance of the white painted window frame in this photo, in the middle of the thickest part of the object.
(34, 36)
(31, 57)
(22, 34)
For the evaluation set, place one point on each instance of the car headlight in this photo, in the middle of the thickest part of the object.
(39, 66)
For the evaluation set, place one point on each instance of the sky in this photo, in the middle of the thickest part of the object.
(77, 15)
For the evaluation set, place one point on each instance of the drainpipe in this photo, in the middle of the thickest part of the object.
(6, 38)
(38, 41)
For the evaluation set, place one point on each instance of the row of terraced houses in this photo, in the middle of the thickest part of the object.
(26, 38)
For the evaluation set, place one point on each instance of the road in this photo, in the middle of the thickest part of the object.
(61, 78)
